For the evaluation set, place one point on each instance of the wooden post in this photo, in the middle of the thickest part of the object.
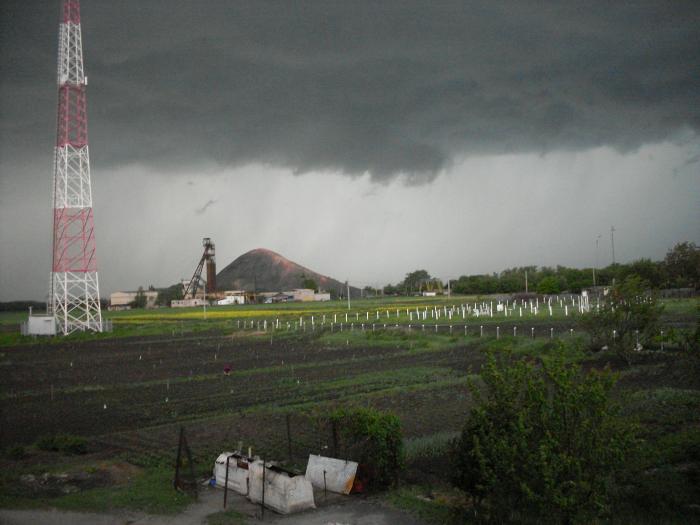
(262, 503)
(189, 460)
(289, 439)
(226, 482)
(177, 460)
(334, 431)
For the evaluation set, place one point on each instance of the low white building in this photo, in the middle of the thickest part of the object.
(186, 303)
(232, 297)
(301, 294)
(307, 295)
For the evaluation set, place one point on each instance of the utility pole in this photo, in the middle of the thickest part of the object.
(596, 259)
(255, 287)
(525, 281)
(449, 291)
(347, 283)
(612, 242)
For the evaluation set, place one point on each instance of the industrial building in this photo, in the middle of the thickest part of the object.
(298, 295)
(184, 303)
(124, 300)
(232, 297)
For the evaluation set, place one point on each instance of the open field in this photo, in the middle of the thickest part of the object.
(128, 395)
(419, 312)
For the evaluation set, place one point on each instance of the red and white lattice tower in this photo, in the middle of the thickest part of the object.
(74, 296)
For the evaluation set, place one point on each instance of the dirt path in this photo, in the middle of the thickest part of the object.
(334, 510)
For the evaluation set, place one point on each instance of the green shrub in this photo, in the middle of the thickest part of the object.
(542, 443)
(629, 315)
(18, 452)
(64, 443)
(374, 439)
(549, 285)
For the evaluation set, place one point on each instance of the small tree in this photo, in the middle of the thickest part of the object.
(414, 281)
(140, 299)
(372, 438)
(172, 293)
(683, 265)
(688, 342)
(549, 285)
(541, 444)
(629, 316)
(390, 289)
(308, 282)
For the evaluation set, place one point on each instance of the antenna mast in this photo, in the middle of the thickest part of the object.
(74, 298)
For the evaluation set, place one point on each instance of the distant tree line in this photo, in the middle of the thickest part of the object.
(171, 293)
(679, 269)
(16, 306)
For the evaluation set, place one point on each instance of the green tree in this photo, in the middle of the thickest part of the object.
(171, 293)
(682, 265)
(549, 285)
(390, 289)
(627, 317)
(542, 444)
(649, 271)
(308, 282)
(140, 299)
(370, 291)
(372, 438)
(414, 281)
(688, 342)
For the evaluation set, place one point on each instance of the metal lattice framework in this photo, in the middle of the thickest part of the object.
(74, 296)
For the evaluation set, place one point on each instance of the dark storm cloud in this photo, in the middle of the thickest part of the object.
(355, 87)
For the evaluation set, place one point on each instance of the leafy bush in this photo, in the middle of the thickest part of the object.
(688, 341)
(629, 315)
(17, 452)
(549, 285)
(542, 443)
(64, 443)
(372, 438)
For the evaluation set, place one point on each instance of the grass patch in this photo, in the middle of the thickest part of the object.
(64, 443)
(388, 338)
(664, 407)
(441, 507)
(151, 492)
(426, 447)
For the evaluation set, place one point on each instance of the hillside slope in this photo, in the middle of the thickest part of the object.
(266, 271)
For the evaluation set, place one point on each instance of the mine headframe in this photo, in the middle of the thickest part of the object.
(208, 258)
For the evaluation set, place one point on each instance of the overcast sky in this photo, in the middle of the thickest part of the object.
(363, 140)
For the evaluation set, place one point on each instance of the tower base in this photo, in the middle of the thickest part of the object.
(76, 302)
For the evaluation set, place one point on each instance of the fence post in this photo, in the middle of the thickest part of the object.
(334, 431)
(177, 460)
(262, 503)
(228, 458)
